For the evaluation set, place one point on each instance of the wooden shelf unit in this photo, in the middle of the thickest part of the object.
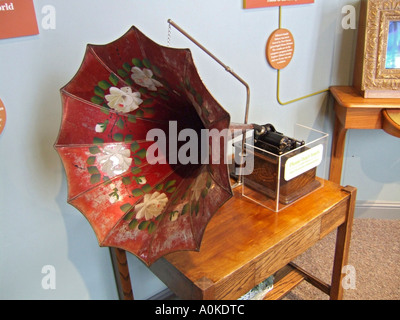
(355, 112)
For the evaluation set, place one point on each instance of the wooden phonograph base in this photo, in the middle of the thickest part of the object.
(267, 172)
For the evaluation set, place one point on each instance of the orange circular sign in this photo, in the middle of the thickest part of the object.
(280, 48)
(2, 116)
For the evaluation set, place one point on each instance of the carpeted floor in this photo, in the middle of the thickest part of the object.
(374, 254)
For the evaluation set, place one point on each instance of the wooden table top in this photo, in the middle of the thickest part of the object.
(348, 97)
(242, 231)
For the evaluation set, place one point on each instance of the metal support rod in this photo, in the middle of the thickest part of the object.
(228, 69)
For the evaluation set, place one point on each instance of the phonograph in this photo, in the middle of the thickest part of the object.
(134, 191)
(272, 155)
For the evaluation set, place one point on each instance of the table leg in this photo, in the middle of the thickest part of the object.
(342, 248)
(121, 273)
(338, 144)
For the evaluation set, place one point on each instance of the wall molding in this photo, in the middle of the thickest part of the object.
(377, 209)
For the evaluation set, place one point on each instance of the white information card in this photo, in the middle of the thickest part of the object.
(303, 162)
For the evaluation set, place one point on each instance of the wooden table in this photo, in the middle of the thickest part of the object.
(355, 112)
(245, 243)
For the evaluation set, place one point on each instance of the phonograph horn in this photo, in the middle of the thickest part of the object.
(119, 145)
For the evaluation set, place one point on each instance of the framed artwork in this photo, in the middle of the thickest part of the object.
(250, 4)
(377, 67)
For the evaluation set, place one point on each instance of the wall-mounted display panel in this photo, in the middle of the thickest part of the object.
(249, 4)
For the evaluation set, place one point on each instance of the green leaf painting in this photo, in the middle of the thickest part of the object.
(119, 130)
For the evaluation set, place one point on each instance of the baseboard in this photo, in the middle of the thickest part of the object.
(377, 210)
(165, 294)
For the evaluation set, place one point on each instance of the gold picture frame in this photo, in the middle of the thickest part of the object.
(371, 77)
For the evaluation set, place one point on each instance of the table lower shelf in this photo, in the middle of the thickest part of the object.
(290, 277)
(285, 280)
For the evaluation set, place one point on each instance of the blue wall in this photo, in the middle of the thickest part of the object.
(37, 226)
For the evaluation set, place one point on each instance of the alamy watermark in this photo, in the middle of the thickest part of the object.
(49, 280)
(205, 146)
(349, 20)
(349, 279)
(48, 21)
(49, 17)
